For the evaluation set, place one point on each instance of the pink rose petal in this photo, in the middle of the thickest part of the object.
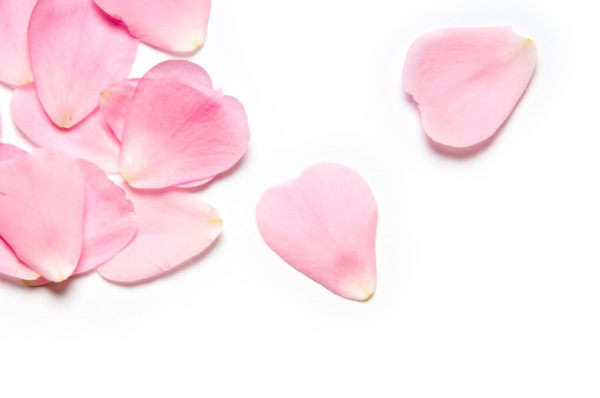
(173, 227)
(192, 134)
(324, 225)
(76, 51)
(15, 68)
(115, 100)
(42, 197)
(108, 225)
(92, 139)
(173, 26)
(467, 81)
(11, 266)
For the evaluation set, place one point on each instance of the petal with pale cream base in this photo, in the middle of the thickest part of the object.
(192, 134)
(173, 26)
(92, 139)
(76, 51)
(173, 227)
(467, 81)
(42, 198)
(15, 68)
(324, 225)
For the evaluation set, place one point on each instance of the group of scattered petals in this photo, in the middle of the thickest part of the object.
(169, 130)
(60, 215)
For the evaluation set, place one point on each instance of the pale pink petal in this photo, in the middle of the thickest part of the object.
(324, 225)
(173, 227)
(76, 51)
(115, 100)
(42, 198)
(467, 81)
(92, 139)
(188, 137)
(11, 266)
(8, 151)
(181, 71)
(173, 26)
(108, 225)
(15, 68)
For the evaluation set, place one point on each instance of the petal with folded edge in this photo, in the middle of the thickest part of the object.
(76, 51)
(173, 26)
(92, 139)
(108, 224)
(324, 225)
(115, 100)
(467, 81)
(173, 227)
(42, 198)
(15, 68)
(186, 138)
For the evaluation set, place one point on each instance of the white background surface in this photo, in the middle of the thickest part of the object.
(489, 271)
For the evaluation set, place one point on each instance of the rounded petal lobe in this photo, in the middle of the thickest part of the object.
(173, 227)
(108, 224)
(115, 100)
(324, 225)
(92, 139)
(76, 51)
(173, 26)
(190, 135)
(42, 197)
(467, 81)
(15, 68)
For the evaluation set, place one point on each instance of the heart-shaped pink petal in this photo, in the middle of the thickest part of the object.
(324, 225)
(192, 134)
(173, 26)
(467, 81)
(76, 51)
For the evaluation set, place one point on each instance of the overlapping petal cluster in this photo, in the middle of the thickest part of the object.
(60, 215)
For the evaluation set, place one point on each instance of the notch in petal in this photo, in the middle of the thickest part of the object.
(92, 139)
(176, 27)
(76, 51)
(173, 227)
(467, 81)
(324, 225)
(15, 68)
(42, 197)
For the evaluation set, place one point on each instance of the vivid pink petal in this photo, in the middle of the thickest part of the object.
(92, 139)
(15, 68)
(324, 225)
(115, 100)
(108, 225)
(11, 266)
(173, 227)
(188, 137)
(467, 81)
(42, 198)
(173, 26)
(76, 51)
